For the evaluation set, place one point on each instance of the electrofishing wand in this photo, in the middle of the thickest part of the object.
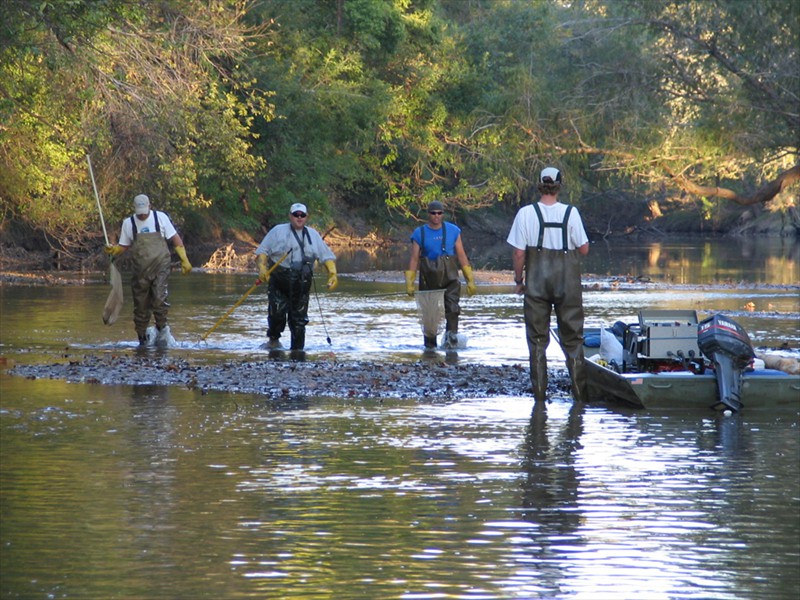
(242, 299)
(321, 317)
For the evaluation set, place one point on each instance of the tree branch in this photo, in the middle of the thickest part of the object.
(761, 196)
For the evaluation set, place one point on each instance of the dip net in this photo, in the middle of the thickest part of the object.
(114, 302)
(431, 311)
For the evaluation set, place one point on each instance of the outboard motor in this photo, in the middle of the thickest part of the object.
(728, 346)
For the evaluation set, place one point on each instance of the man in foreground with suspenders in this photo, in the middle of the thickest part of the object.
(548, 239)
(146, 233)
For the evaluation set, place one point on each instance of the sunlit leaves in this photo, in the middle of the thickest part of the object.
(154, 91)
(215, 106)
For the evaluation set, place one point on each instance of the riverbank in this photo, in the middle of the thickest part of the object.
(484, 233)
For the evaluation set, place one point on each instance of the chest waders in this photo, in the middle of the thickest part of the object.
(151, 262)
(289, 293)
(442, 274)
(553, 279)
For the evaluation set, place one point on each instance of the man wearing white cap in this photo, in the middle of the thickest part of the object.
(548, 239)
(146, 233)
(290, 282)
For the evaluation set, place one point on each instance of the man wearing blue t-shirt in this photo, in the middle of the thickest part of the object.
(435, 247)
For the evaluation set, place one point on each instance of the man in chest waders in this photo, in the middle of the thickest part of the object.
(290, 282)
(548, 239)
(435, 247)
(146, 234)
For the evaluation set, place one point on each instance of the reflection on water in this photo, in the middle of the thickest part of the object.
(550, 499)
(147, 493)
(763, 260)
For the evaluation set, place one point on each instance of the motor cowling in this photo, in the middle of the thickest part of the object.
(728, 347)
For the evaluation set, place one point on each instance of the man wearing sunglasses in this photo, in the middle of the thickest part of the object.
(290, 282)
(435, 247)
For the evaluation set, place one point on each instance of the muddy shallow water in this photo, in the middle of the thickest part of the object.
(372, 469)
(363, 340)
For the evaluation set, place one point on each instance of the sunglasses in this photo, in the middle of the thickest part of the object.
(299, 215)
(435, 212)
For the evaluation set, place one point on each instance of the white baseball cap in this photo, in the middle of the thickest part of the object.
(141, 205)
(297, 207)
(551, 173)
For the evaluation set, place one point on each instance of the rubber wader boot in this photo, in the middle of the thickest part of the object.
(539, 374)
(450, 340)
(577, 373)
(298, 338)
(142, 339)
(163, 336)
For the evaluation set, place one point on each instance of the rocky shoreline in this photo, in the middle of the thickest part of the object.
(433, 379)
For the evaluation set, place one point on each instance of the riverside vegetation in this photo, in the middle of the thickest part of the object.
(664, 116)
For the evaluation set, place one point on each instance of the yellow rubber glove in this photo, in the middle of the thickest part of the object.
(263, 272)
(471, 287)
(186, 266)
(333, 280)
(113, 251)
(410, 275)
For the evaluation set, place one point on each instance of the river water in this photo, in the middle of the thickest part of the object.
(152, 492)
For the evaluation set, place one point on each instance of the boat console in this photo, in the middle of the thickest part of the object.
(662, 340)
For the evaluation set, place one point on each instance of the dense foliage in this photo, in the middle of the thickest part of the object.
(225, 111)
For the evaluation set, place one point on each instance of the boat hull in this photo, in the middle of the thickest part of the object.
(763, 389)
(683, 390)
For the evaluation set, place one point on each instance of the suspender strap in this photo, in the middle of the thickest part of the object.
(543, 224)
(564, 242)
(301, 242)
(133, 224)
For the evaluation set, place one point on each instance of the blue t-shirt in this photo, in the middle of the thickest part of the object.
(433, 240)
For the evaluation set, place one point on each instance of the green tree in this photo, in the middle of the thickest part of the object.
(726, 76)
(326, 109)
(153, 91)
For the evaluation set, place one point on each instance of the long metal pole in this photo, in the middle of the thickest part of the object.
(97, 197)
(242, 299)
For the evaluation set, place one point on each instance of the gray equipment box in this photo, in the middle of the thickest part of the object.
(668, 334)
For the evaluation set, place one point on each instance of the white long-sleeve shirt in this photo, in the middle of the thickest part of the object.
(279, 240)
